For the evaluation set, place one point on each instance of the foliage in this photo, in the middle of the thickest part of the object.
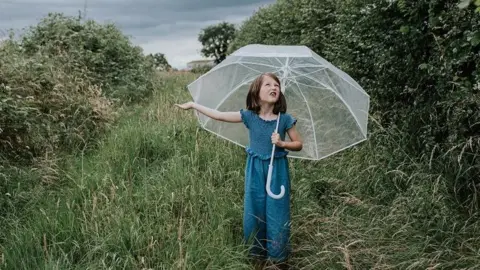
(288, 22)
(161, 192)
(418, 61)
(201, 70)
(465, 4)
(59, 83)
(215, 40)
(45, 107)
(102, 51)
(159, 61)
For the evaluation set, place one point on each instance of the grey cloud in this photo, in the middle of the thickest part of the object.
(208, 4)
(146, 21)
(162, 11)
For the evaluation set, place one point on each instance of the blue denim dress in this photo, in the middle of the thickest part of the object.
(266, 221)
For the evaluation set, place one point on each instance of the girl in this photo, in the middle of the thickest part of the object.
(266, 220)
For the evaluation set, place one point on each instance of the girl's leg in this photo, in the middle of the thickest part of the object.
(278, 214)
(254, 226)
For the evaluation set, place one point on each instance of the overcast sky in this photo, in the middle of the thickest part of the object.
(167, 26)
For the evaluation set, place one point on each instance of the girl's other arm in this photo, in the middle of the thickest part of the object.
(295, 143)
(232, 117)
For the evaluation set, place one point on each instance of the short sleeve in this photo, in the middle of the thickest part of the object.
(246, 116)
(290, 121)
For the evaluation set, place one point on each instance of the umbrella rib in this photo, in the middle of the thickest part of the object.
(233, 90)
(228, 95)
(313, 79)
(317, 87)
(338, 95)
(311, 118)
(238, 86)
(307, 66)
(306, 73)
(242, 64)
(278, 60)
(348, 106)
(328, 64)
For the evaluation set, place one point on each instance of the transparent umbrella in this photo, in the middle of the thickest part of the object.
(331, 107)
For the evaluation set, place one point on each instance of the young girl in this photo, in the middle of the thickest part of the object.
(266, 220)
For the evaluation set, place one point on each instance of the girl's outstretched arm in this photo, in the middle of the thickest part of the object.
(232, 117)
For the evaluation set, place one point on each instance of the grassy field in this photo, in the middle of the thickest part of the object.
(160, 193)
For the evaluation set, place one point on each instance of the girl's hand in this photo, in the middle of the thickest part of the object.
(185, 106)
(276, 140)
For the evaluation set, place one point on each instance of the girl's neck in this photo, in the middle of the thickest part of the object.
(266, 111)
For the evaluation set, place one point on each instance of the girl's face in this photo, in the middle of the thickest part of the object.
(270, 90)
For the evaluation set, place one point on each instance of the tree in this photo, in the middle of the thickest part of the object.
(159, 61)
(215, 40)
(103, 52)
(417, 59)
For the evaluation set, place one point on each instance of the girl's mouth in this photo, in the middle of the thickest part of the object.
(273, 94)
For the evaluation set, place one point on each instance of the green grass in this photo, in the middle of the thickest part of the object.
(160, 193)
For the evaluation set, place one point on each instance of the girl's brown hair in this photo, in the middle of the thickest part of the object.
(253, 102)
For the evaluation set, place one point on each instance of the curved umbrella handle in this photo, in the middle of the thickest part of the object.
(270, 170)
(269, 181)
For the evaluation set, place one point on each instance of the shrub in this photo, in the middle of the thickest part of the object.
(44, 107)
(60, 81)
(418, 61)
(102, 51)
(201, 70)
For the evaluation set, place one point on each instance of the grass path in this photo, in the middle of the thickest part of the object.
(159, 193)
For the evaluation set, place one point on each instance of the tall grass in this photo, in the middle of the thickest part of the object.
(161, 193)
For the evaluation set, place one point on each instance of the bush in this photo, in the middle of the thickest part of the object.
(102, 51)
(418, 61)
(44, 107)
(59, 83)
(201, 70)
(275, 24)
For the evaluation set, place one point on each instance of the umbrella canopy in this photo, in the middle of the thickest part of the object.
(331, 108)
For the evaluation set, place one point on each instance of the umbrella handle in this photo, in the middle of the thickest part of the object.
(269, 180)
(270, 170)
